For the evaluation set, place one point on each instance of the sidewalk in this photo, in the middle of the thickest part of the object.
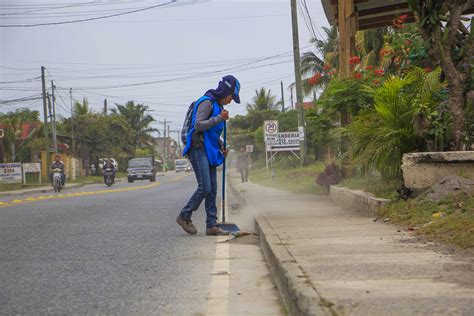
(332, 261)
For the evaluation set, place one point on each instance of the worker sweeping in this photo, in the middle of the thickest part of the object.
(201, 134)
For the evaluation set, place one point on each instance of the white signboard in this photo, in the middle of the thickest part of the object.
(289, 141)
(31, 167)
(270, 128)
(301, 131)
(249, 148)
(10, 172)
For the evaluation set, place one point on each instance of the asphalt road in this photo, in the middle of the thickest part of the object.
(105, 250)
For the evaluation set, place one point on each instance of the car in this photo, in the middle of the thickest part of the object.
(182, 165)
(141, 169)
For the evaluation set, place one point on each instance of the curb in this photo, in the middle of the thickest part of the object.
(292, 282)
(358, 200)
(43, 190)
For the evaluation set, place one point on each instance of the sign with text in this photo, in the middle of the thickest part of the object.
(270, 128)
(288, 141)
(10, 172)
(32, 167)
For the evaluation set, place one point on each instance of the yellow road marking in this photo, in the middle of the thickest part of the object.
(76, 194)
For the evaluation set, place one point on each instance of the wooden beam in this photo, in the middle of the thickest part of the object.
(347, 25)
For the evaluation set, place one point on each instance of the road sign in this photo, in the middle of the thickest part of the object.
(34, 167)
(249, 148)
(270, 128)
(10, 172)
(289, 141)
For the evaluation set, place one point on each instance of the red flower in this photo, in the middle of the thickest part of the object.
(369, 68)
(315, 79)
(379, 72)
(403, 17)
(354, 60)
(376, 82)
(358, 75)
(326, 67)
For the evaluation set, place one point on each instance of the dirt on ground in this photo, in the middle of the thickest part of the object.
(450, 185)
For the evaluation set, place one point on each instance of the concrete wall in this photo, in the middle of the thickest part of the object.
(422, 170)
(358, 200)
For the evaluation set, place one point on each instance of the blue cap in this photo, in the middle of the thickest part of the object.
(234, 85)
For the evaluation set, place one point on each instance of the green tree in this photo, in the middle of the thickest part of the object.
(452, 47)
(263, 100)
(136, 117)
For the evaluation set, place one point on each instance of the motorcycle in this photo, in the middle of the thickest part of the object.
(57, 180)
(109, 177)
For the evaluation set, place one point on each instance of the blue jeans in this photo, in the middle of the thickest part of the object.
(206, 177)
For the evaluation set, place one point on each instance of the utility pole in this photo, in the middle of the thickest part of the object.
(45, 127)
(299, 86)
(72, 123)
(291, 97)
(282, 98)
(105, 106)
(165, 158)
(53, 119)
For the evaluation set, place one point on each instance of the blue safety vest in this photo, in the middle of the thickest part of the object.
(211, 136)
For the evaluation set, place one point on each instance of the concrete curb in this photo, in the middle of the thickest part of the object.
(293, 283)
(41, 190)
(358, 200)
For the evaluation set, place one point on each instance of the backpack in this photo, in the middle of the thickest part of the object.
(187, 123)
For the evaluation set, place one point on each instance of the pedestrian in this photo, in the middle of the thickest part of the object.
(243, 164)
(204, 148)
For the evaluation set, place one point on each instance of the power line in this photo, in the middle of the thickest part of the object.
(93, 18)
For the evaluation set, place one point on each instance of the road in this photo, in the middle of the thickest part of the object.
(118, 250)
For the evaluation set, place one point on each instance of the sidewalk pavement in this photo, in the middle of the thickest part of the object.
(327, 260)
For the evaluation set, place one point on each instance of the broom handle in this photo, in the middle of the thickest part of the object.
(223, 174)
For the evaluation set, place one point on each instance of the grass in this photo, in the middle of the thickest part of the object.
(296, 180)
(18, 186)
(373, 184)
(453, 220)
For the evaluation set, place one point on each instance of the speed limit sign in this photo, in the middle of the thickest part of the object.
(270, 128)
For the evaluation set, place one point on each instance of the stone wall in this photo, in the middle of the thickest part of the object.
(422, 170)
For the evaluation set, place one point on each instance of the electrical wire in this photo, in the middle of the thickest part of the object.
(93, 18)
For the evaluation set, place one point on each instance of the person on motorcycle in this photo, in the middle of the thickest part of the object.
(108, 165)
(58, 164)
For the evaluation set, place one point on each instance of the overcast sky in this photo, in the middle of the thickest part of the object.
(187, 48)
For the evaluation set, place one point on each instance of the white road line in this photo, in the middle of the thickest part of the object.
(218, 299)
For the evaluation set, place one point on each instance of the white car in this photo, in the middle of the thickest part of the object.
(102, 160)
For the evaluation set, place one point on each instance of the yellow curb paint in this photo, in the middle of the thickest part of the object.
(78, 194)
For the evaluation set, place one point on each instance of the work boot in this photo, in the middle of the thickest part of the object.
(187, 225)
(216, 231)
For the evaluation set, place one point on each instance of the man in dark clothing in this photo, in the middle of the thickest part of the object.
(243, 164)
(58, 164)
(108, 165)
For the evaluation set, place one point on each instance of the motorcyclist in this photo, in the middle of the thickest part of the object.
(108, 165)
(58, 164)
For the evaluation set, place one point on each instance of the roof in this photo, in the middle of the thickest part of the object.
(373, 13)
(27, 129)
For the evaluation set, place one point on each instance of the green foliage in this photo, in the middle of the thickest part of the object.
(16, 148)
(263, 100)
(382, 134)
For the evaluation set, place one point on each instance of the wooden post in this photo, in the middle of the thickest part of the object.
(347, 28)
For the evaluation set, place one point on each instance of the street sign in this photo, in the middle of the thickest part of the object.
(34, 167)
(288, 141)
(10, 172)
(270, 128)
(249, 148)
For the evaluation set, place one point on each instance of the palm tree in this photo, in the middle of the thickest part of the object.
(82, 109)
(134, 115)
(262, 100)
